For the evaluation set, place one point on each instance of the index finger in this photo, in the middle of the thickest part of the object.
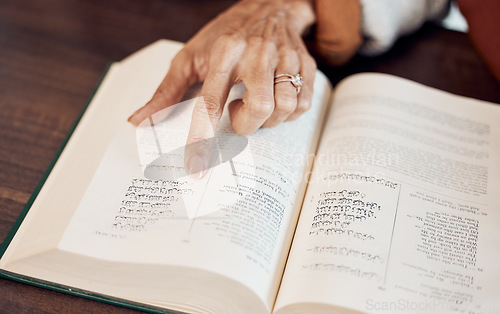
(179, 77)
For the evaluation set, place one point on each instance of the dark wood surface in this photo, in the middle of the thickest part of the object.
(53, 52)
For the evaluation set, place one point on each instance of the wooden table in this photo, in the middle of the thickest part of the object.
(53, 52)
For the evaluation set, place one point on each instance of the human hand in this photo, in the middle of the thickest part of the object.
(251, 42)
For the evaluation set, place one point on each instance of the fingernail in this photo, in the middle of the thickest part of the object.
(196, 166)
(132, 119)
(135, 118)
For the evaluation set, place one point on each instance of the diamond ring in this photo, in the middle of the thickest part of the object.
(296, 80)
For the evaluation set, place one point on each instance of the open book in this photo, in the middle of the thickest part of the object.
(382, 197)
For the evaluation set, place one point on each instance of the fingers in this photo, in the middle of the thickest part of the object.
(292, 101)
(252, 48)
(206, 114)
(179, 77)
(208, 108)
(285, 93)
(308, 72)
(250, 113)
(256, 70)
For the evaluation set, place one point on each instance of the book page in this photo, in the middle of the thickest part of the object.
(244, 213)
(401, 214)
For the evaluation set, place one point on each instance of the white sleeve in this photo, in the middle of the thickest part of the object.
(383, 21)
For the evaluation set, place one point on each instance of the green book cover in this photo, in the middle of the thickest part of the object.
(54, 286)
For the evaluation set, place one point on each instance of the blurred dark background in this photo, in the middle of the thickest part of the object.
(53, 52)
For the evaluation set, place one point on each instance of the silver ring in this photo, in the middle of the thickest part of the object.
(296, 80)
